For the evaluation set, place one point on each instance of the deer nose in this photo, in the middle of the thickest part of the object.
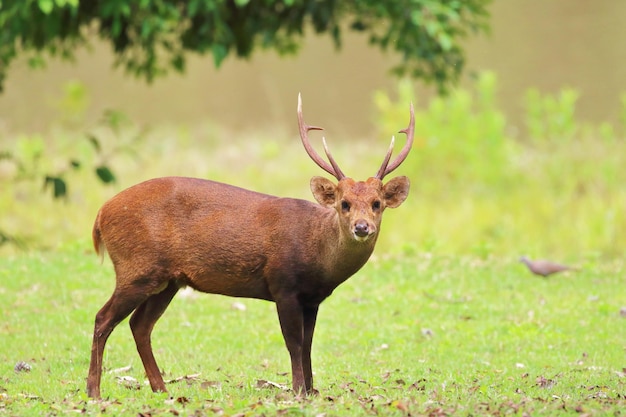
(361, 229)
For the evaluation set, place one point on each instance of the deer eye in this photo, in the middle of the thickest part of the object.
(345, 206)
(376, 205)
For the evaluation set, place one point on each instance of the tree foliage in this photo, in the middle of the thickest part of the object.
(152, 37)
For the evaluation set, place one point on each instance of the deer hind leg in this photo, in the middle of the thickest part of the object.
(141, 324)
(119, 306)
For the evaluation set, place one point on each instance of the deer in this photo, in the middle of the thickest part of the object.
(173, 232)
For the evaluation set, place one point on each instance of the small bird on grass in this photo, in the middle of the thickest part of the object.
(543, 267)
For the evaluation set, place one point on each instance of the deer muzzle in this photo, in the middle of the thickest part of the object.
(362, 230)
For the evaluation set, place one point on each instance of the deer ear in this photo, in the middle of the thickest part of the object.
(396, 191)
(324, 191)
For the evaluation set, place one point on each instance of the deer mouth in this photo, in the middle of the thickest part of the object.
(361, 238)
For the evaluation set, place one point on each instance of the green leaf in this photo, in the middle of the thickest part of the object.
(192, 7)
(178, 62)
(116, 26)
(219, 53)
(75, 164)
(105, 174)
(444, 41)
(94, 142)
(36, 62)
(46, 6)
(59, 188)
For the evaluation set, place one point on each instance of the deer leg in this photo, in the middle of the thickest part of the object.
(309, 316)
(141, 324)
(119, 306)
(290, 315)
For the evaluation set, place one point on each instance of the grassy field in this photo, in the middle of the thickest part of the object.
(444, 320)
(417, 335)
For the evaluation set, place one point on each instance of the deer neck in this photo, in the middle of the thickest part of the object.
(344, 255)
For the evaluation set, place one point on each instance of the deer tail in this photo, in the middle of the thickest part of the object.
(96, 235)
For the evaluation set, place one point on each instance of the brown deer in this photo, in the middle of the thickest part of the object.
(168, 233)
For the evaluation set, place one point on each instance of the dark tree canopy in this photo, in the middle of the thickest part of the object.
(152, 37)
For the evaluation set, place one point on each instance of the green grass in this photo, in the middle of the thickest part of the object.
(420, 335)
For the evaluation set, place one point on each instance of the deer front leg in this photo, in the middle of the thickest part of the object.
(309, 318)
(290, 315)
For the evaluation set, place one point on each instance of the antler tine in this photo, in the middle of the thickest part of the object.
(381, 172)
(304, 128)
(339, 175)
(409, 131)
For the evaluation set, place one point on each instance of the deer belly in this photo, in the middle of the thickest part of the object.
(232, 276)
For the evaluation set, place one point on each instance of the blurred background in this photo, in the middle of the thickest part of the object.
(525, 156)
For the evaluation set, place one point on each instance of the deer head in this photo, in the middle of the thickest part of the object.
(359, 204)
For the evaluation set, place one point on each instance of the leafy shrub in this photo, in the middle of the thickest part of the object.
(551, 117)
(461, 136)
(554, 189)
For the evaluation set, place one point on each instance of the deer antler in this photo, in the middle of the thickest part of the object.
(385, 168)
(333, 169)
